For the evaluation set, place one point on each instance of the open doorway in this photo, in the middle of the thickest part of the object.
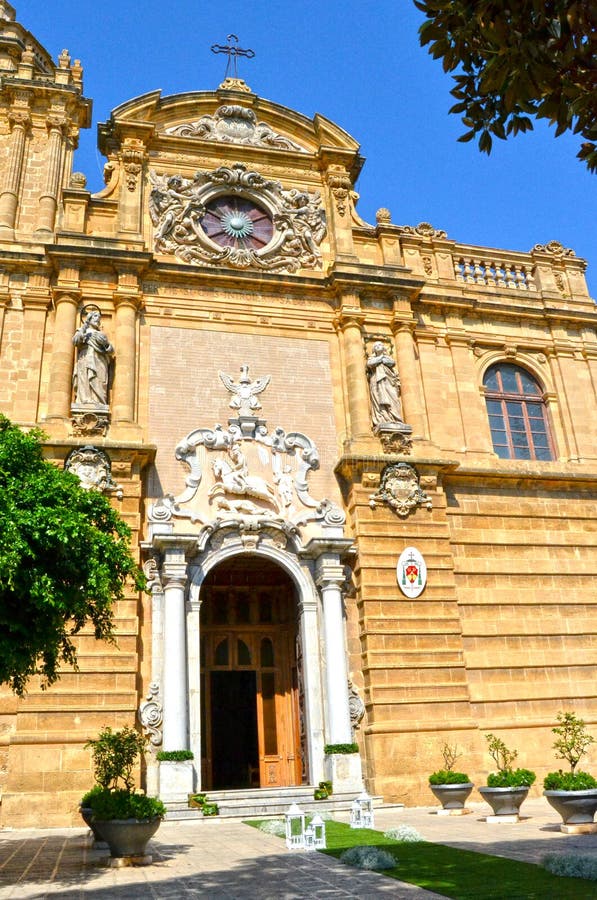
(250, 684)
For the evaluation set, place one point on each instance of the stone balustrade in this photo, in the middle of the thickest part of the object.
(494, 272)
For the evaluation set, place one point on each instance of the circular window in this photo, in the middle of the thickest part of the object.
(237, 222)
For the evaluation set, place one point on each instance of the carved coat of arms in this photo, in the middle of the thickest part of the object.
(399, 488)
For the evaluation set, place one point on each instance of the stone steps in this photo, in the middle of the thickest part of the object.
(264, 802)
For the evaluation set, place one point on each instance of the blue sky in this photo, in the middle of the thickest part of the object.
(360, 65)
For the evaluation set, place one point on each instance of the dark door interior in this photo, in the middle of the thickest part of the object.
(235, 751)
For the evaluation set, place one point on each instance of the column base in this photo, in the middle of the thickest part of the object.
(345, 772)
(176, 781)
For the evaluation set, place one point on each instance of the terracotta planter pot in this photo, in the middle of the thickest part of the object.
(575, 807)
(452, 796)
(127, 837)
(504, 801)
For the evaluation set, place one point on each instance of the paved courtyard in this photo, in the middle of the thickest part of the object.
(226, 859)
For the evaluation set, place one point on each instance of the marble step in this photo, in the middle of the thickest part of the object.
(263, 802)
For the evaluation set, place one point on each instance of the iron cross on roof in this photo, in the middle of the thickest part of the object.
(233, 51)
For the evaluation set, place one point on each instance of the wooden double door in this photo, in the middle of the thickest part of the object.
(250, 720)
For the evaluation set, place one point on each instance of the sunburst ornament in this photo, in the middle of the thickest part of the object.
(237, 224)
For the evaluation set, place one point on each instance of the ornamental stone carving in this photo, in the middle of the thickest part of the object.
(554, 248)
(151, 715)
(234, 216)
(232, 124)
(341, 187)
(400, 489)
(355, 706)
(383, 216)
(244, 393)
(93, 469)
(246, 474)
(423, 229)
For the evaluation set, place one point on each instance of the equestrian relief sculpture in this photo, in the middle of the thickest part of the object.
(245, 471)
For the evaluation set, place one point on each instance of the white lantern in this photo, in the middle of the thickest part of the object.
(309, 838)
(318, 826)
(355, 814)
(366, 804)
(295, 828)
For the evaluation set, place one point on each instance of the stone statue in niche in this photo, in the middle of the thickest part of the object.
(92, 367)
(384, 386)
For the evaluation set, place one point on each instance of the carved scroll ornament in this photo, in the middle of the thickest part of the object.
(151, 715)
(234, 124)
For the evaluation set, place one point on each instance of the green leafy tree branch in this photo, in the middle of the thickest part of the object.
(64, 561)
(518, 61)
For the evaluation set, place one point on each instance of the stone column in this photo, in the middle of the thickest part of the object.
(175, 687)
(61, 361)
(330, 577)
(125, 342)
(48, 199)
(410, 376)
(350, 323)
(20, 121)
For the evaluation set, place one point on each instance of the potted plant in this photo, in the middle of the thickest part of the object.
(507, 788)
(124, 818)
(572, 794)
(451, 788)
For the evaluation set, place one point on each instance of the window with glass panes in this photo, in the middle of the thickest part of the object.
(517, 414)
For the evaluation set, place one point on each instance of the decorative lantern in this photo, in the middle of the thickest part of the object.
(361, 812)
(318, 826)
(309, 838)
(295, 828)
(355, 814)
(366, 804)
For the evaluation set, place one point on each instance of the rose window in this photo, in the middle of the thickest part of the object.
(237, 222)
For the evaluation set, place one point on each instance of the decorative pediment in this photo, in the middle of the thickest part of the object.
(233, 124)
(246, 473)
(236, 217)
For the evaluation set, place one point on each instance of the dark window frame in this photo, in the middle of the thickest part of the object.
(525, 441)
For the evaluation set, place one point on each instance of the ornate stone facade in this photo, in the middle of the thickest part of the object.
(261, 448)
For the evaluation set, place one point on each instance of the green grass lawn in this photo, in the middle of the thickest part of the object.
(461, 874)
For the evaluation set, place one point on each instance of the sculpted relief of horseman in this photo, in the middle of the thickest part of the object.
(254, 472)
(232, 478)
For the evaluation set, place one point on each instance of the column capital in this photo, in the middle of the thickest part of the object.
(402, 324)
(349, 317)
(20, 118)
(330, 576)
(66, 295)
(123, 298)
(174, 575)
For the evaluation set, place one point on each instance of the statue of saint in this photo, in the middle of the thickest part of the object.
(384, 387)
(92, 368)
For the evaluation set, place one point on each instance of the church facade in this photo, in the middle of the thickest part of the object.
(358, 460)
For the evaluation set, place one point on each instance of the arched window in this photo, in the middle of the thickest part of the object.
(517, 414)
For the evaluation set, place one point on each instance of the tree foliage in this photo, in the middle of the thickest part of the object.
(518, 61)
(64, 561)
